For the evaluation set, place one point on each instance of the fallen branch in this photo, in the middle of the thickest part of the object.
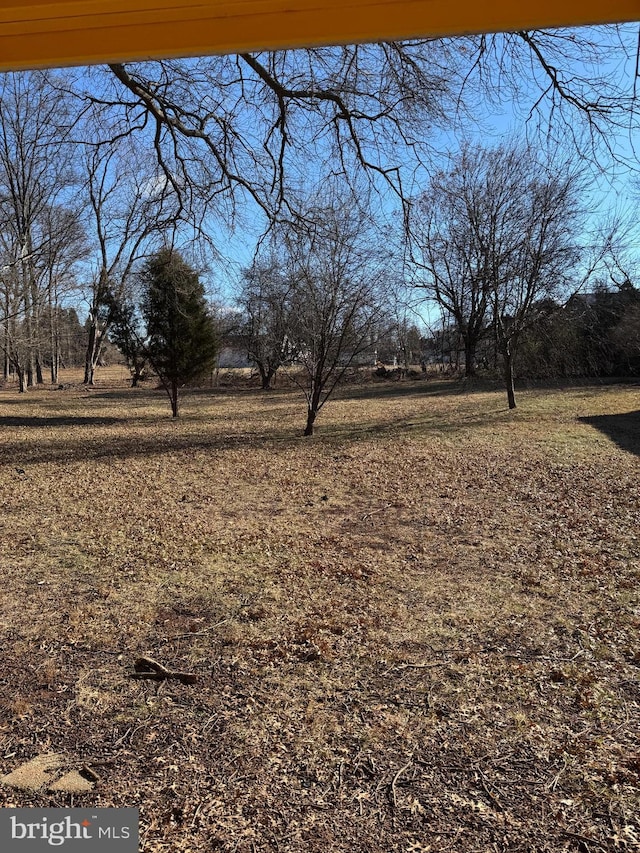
(147, 668)
(375, 511)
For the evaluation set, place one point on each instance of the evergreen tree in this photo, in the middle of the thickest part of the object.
(181, 339)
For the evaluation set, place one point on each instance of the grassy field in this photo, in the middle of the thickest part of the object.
(416, 631)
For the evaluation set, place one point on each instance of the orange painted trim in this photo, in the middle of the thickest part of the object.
(79, 32)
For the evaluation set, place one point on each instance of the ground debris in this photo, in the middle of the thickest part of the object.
(456, 674)
(147, 668)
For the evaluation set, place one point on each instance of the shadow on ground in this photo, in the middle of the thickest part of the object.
(65, 447)
(624, 429)
(54, 421)
(415, 387)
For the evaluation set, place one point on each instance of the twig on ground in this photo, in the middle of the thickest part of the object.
(554, 782)
(394, 781)
(413, 666)
(195, 814)
(494, 799)
(375, 512)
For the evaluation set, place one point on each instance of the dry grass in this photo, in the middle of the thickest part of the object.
(416, 631)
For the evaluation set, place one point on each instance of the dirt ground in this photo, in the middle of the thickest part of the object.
(416, 631)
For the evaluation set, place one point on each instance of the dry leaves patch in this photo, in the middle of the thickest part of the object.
(416, 631)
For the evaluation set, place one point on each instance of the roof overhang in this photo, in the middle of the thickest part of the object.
(39, 33)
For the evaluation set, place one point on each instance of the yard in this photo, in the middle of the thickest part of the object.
(416, 631)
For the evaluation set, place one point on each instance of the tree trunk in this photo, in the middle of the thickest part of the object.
(267, 379)
(37, 332)
(22, 384)
(54, 337)
(55, 363)
(311, 416)
(496, 346)
(31, 364)
(313, 409)
(90, 361)
(266, 375)
(28, 324)
(508, 377)
(7, 362)
(174, 398)
(469, 358)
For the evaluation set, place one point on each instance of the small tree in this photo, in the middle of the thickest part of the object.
(181, 341)
(339, 306)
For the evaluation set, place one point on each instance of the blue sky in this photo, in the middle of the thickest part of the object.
(614, 186)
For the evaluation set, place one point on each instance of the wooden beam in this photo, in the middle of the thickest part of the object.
(40, 33)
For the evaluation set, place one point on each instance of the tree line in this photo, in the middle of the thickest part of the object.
(102, 170)
(595, 334)
(500, 242)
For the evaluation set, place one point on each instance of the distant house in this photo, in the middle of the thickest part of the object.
(231, 356)
(233, 352)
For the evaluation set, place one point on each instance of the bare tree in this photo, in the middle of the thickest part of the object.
(446, 233)
(225, 129)
(238, 127)
(65, 247)
(338, 305)
(514, 239)
(36, 180)
(267, 301)
(537, 247)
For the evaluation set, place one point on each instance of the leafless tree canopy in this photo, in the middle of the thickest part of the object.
(260, 125)
(41, 237)
(267, 303)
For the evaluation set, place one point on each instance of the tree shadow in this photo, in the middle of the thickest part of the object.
(66, 448)
(623, 429)
(397, 427)
(419, 387)
(53, 421)
(129, 394)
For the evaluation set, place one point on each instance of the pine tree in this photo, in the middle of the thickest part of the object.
(181, 339)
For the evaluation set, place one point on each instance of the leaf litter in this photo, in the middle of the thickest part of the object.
(416, 631)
